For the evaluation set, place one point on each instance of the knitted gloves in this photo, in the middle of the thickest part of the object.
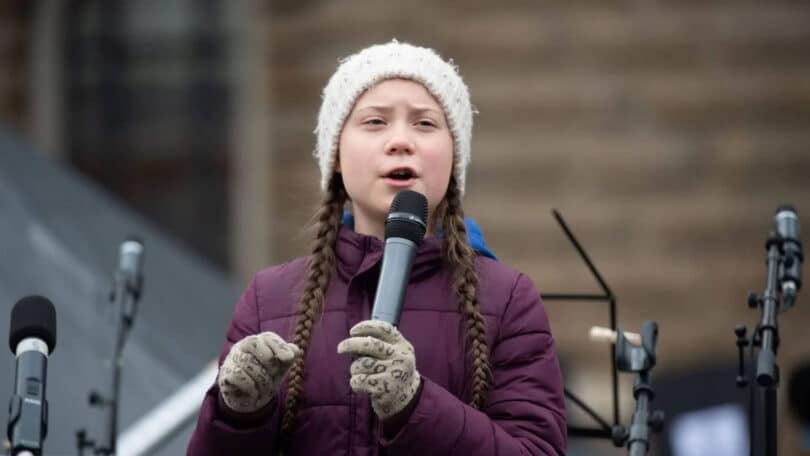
(385, 368)
(250, 375)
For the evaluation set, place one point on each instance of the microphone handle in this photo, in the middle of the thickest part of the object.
(396, 268)
(28, 410)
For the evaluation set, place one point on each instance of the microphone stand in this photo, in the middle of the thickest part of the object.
(767, 369)
(126, 293)
(766, 337)
(640, 359)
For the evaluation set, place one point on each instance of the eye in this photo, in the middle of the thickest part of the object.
(374, 121)
(426, 123)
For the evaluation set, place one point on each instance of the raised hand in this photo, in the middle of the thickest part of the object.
(249, 377)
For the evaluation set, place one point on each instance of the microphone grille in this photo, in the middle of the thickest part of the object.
(407, 216)
(33, 316)
(786, 208)
(787, 222)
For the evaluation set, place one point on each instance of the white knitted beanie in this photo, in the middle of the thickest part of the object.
(359, 72)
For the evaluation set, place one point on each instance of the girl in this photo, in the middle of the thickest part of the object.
(471, 370)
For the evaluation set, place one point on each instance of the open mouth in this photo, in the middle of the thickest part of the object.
(401, 174)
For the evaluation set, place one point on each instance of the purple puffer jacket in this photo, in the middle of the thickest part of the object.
(524, 411)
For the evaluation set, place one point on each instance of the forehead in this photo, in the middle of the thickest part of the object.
(395, 91)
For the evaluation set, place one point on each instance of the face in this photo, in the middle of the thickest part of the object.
(395, 138)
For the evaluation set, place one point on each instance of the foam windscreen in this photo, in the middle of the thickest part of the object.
(33, 316)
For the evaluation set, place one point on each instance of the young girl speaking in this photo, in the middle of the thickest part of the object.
(471, 369)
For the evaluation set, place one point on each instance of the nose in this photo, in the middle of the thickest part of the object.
(400, 141)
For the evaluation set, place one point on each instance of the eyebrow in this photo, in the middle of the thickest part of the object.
(386, 109)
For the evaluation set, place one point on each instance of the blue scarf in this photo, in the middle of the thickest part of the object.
(474, 235)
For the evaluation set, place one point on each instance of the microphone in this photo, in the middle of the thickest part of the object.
(404, 230)
(125, 295)
(130, 265)
(787, 228)
(129, 277)
(32, 337)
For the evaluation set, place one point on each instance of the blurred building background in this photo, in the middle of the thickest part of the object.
(666, 133)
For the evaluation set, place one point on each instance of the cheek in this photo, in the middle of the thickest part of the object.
(356, 147)
(442, 163)
(347, 155)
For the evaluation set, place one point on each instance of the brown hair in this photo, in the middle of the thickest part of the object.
(458, 253)
(461, 258)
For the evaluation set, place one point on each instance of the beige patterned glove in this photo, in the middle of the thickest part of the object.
(385, 368)
(249, 377)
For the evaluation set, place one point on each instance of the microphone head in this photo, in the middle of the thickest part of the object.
(131, 256)
(786, 208)
(33, 316)
(787, 222)
(407, 216)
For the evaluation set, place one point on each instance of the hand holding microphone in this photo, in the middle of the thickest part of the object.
(385, 367)
(251, 373)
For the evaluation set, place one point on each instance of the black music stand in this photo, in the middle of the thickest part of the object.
(604, 430)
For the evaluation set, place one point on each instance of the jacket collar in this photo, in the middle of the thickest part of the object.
(474, 234)
(357, 253)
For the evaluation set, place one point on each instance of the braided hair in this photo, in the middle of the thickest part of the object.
(461, 258)
(321, 267)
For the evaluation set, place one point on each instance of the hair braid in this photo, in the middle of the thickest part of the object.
(461, 258)
(321, 266)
